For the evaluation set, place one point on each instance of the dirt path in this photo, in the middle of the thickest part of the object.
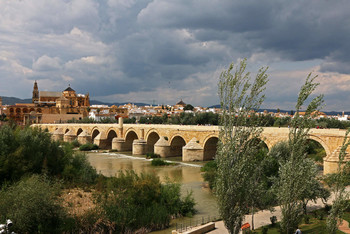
(344, 226)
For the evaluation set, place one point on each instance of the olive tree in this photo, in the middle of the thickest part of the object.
(239, 96)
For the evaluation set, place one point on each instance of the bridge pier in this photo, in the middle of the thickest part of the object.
(330, 162)
(118, 144)
(58, 134)
(162, 147)
(193, 151)
(69, 136)
(101, 142)
(139, 147)
(84, 138)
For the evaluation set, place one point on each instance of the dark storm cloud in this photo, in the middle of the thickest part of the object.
(297, 30)
(129, 46)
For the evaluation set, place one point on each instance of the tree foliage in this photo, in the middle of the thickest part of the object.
(134, 201)
(296, 173)
(238, 96)
(30, 151)
(32, 204)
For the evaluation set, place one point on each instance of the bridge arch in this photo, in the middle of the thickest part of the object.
(321, 142)
(152, 137)
(95, 132)
(80, 130)
(176, 144)
(210, 147)
(110, 135)
(130, 136)
(67, 130)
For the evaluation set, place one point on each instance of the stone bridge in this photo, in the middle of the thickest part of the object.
(192, 143)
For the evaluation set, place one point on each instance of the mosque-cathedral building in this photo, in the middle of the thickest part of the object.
(50, 107)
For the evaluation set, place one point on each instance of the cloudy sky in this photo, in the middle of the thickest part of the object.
(162, 51)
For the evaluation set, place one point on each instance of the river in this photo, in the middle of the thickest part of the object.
(187, 174)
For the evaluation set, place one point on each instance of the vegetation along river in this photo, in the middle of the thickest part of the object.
(187, 174)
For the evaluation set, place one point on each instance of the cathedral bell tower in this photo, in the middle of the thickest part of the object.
(35, 97)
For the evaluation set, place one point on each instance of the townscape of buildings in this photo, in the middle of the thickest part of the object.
(56, 107)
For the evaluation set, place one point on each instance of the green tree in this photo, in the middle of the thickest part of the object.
(32, 204)
(133, 201)
(28, 151)
(165, 118)
(296, 173)
(189, 107)
(238, 96)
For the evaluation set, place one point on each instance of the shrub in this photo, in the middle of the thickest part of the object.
(79, 170)
(273, 220)
(211, 165)
(29, 151)
(75, 143)
(88, 147)
(210, 169)
(319, 214)
(159, 162)
(133, 202)
(306, 219)
(264, 230)
(32, 206)
(152, 155)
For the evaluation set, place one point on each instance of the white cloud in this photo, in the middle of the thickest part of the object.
(46, 63)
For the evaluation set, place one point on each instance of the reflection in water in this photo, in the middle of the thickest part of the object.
(110, 163)
(188, 174)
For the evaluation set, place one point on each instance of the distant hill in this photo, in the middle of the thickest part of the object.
(14, 100)
(95, 102)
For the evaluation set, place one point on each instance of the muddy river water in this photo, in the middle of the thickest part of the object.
(187, 174)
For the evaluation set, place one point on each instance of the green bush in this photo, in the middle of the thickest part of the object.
(264, 230)
(159, 162)
(75, 143)
(211, 165)
(133, 202)
(88, 147)
(273, 220)
(79, 170)
(319, 214)
(152, 155)
(209, 175)
(306, 219)
(32, 206)
(29, 151)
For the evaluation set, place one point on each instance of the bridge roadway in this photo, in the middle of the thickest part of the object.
(193, 143)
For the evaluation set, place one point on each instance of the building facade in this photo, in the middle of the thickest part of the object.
(50, 107)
